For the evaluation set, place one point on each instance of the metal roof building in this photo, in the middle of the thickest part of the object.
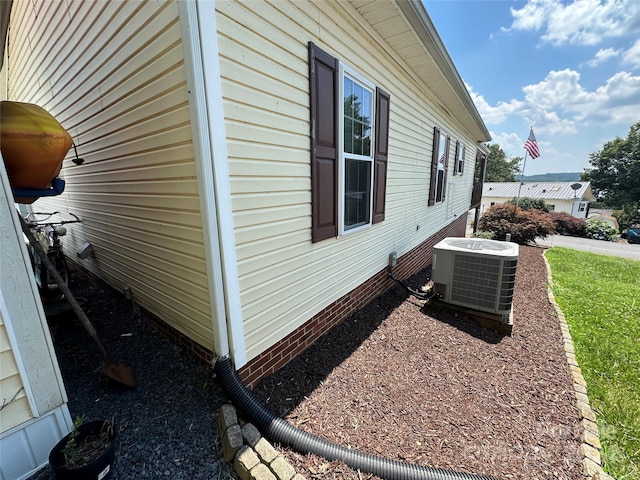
(569, 197)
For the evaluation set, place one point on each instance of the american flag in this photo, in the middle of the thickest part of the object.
(531, 145)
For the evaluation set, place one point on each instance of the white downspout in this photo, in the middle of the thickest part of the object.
(199, 33)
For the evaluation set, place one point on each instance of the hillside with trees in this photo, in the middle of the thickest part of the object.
(551, 177)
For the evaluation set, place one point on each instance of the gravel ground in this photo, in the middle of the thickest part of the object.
(431, 387)
(165, 426)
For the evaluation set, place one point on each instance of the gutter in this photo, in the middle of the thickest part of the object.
(204, 85)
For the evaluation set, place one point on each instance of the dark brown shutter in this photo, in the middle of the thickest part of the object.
(381, 154)
(434, 166)
(457, 158)
(447, 146)
(464, 154)
(323, 89)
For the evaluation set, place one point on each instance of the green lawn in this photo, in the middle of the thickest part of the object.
(600, 297)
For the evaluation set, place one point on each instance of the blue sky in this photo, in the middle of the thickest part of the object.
(570, 69)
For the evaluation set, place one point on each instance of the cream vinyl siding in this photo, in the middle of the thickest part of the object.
(112, 73)
(13, 398)
(284, 278)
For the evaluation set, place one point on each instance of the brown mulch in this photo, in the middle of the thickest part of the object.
(432, 387)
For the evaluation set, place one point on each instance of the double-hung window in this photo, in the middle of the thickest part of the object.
(356, 162)
(461, 152)
(349, 143)
(439, 165)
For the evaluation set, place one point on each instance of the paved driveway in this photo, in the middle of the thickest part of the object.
(620, 249)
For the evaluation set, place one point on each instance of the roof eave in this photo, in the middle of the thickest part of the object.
(417, 15)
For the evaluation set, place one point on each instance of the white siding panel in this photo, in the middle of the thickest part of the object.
(284, 278)
(112, 73)
(17, 409)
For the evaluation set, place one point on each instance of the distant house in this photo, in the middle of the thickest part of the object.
(250, 167)
(569, 197)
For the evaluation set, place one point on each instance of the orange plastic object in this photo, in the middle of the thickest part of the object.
(33, 144)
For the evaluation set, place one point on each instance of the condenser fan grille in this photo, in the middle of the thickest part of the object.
(483, 281)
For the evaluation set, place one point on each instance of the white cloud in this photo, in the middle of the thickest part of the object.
(509, 142)
(632, 56)
(603, 55)
(549, 122)
(559, 88)
(618, 100)
(580, 22)
(559, 104)
(497, 114)
(513, 145)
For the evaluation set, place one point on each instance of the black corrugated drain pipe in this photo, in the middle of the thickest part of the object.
(280, 431)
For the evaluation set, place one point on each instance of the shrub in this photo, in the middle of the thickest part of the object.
(483, 234)
(628, 216)
(601, 230)
(565, 224)
(527, 203)
(523, 225)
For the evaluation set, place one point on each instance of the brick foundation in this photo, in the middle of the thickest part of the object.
(297, 342)
(276, 357)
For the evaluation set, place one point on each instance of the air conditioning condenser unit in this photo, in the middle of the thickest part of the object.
(476, 273)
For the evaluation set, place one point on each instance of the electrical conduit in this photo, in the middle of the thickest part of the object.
(280, 431)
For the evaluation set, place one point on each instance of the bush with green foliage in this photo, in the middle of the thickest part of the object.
(628, 216)
(523, 225)
(483, 234)
(600, 230)
(565, 224)
(527, 203)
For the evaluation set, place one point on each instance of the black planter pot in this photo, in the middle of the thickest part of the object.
(100, 468)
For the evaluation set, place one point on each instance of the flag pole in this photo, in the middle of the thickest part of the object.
(524, 164)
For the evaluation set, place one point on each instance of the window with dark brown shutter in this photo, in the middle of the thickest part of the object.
(324, 87)
(458, 165)
(356, 164)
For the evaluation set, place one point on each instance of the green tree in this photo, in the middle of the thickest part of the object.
(616, 170)
(499, 169)
(628, 216)
(527, 203)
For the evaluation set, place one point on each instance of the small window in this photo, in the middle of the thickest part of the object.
(551, 207)
(439, 164)
(461, 152)
(582, 206)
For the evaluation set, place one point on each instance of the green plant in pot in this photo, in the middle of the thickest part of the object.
(86, 453)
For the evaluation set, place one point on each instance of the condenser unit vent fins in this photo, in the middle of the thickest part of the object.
(483, 281)
(508, 284)
(476, 280)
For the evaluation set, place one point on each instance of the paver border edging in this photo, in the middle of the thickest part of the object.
(590, 446)
(248, 452)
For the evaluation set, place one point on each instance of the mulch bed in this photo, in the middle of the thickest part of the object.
(409, 382)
